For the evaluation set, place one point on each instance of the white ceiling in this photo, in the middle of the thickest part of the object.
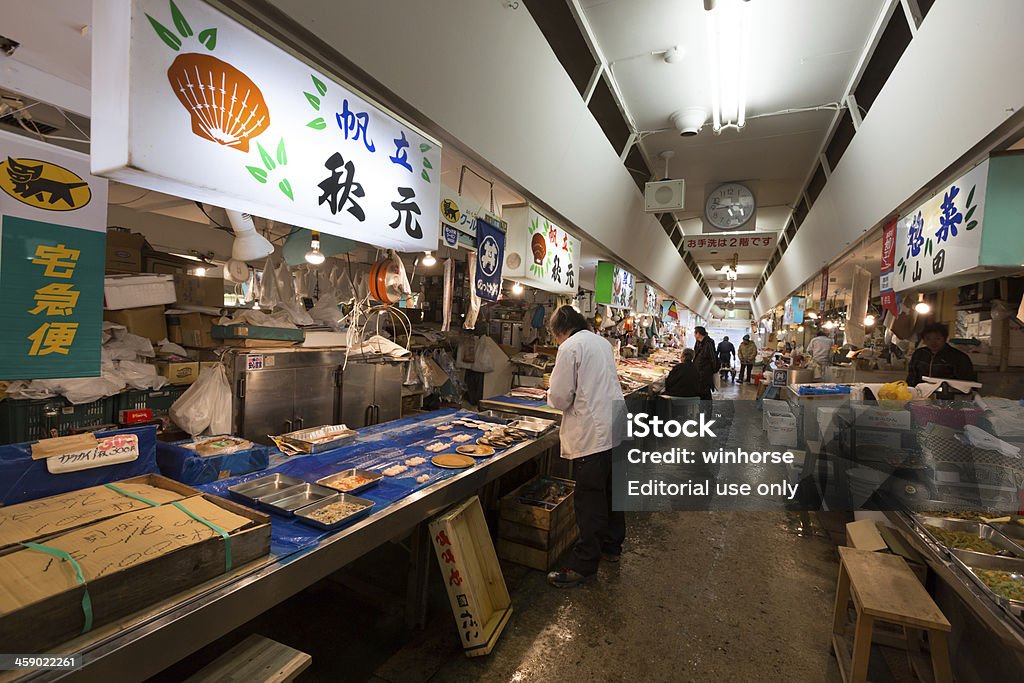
(52, 36)
(803, 55)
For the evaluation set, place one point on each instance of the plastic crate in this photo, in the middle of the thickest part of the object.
(32, 420)
(157, 400)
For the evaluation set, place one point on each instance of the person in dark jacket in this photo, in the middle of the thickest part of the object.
(684, 380)
(938, 359)
(726, 352)
(705, 358)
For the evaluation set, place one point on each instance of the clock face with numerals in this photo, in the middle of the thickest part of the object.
(729, 206)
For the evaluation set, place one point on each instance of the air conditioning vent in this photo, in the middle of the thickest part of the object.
(32, 125)
(664, 196)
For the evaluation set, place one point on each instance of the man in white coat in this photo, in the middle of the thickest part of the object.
(585, 387)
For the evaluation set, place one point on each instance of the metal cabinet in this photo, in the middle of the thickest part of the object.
(371, 393)
(281, 391)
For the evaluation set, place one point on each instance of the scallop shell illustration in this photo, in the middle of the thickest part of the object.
(225, 105)
(539, 247)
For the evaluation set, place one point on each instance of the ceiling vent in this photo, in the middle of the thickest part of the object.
(36, 117)
(664, 196)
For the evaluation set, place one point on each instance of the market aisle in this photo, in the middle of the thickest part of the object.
(697, 597)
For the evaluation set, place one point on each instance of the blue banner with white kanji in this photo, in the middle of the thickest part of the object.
(490, 246)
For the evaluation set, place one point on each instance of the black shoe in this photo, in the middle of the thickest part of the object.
(610, 557)
(568, 578)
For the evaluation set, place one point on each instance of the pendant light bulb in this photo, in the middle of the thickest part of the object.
(517, 288)
(922, 306)
(869, 320)
(314, 256)
(428, 259)
(829, 325)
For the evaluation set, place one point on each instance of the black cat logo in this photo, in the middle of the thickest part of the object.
(43, 185)
(450, 210)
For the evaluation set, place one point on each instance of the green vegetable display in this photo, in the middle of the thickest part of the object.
(962, 540)
(1003, 583)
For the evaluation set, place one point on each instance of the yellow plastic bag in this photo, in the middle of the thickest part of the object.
(894, 391)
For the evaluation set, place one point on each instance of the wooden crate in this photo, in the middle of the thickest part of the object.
(533, 535)
(469, 568)
(58, 617)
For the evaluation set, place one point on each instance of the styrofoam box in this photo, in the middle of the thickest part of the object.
(781, 430)
(869, 416)
(771, 406)
(985, 328)
(136, 291)
(828, 423)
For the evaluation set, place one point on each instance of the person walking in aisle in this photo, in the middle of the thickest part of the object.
(726, 352)
(747, 355)
(706, 359)
(585, 387)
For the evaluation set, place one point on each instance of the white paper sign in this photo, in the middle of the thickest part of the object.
(942, 236)
(109, 451)
(539, 253)
(189, 102)
(646, 302)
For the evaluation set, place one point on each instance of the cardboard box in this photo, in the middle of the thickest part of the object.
(124, 251)
(178, 372)
(193, 290)
(192, 330)
(127, 563)
(148, 321)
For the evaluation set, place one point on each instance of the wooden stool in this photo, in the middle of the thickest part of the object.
(255, 659)
(884, 589)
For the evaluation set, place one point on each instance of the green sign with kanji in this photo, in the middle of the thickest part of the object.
(51, 311)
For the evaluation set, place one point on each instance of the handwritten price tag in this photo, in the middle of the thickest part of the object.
(110, 451)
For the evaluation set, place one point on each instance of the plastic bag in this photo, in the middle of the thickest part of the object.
(894, 391)
(206, 405)
(139, 375)
(268, 286)
(483, 360)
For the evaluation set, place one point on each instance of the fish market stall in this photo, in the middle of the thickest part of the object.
(326, 509)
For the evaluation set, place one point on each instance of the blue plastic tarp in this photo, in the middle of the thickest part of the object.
(375, 448)
(184, 465)
(22, 478)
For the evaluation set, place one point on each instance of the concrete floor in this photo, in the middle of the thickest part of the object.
(698, 596)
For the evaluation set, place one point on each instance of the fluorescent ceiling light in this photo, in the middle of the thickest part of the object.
(729, 37)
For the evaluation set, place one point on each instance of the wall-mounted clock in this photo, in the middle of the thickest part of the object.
(730, 206)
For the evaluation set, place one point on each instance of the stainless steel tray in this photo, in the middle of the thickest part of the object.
(979, 529)
(533, 426)
(253, 491)
(364, 509)
(374, 478)
(318, 439)
(1006, 564)
(291, 499)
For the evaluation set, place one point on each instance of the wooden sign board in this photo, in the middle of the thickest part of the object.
(469, 568)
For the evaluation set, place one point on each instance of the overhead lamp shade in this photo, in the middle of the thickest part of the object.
(249, 245)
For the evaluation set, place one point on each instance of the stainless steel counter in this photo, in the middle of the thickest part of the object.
(173, 630)
(986, 643)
